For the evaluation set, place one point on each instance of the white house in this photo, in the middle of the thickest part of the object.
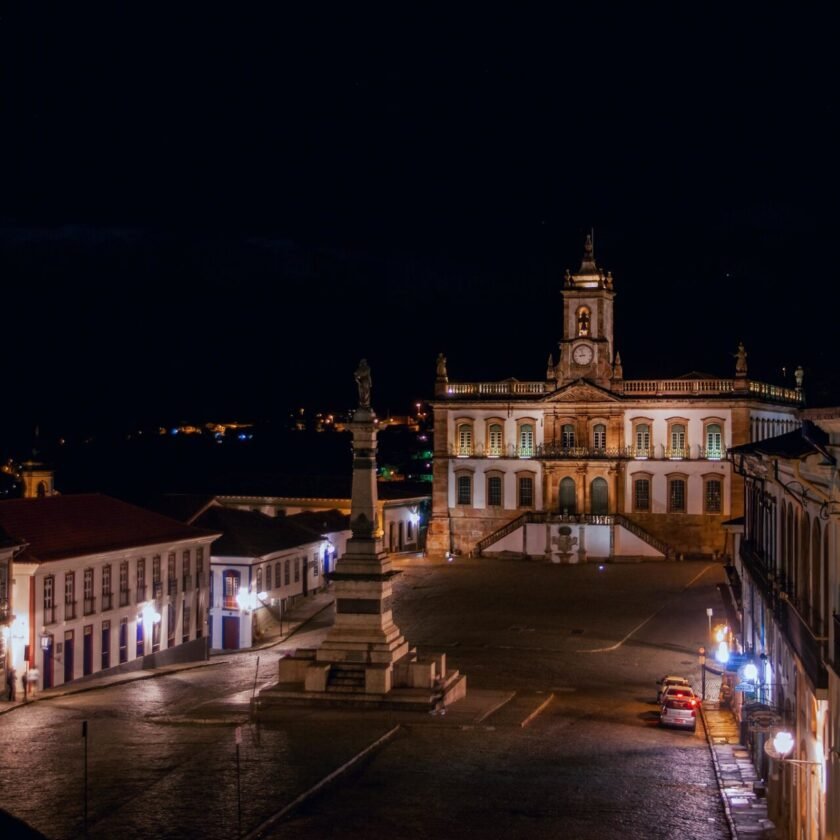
(259, 566)
(788, 562)
(102, 584)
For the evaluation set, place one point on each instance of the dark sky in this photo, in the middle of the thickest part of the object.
(210, 213)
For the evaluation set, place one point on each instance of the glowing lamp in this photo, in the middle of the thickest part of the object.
(242, 599)
(750, 672)
(783, 742)
(722, 653)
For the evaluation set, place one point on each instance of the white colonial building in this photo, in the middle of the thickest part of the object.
(631, 467)
(102, 584)
(788, 565)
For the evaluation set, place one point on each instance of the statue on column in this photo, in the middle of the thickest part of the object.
(363, 382)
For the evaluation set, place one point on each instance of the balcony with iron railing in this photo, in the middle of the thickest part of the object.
(687, 388)
(559, 451)
(172, 586)
(107, 601)
(49, 614)
(199, 580)
(186, 583)
(69, 610)
(157, 590)
(810, 648)
(140, 594)
(125, 597)
(89, 605)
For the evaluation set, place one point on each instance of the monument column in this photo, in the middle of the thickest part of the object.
(364, 632)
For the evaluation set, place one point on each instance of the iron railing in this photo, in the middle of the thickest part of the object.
(557, 451)
(107, 601)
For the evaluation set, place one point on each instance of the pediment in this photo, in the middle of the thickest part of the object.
(581, 391)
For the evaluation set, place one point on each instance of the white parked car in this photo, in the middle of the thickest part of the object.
(679, 710)
(669, 680)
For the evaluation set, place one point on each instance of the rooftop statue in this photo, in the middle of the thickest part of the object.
(740, 360)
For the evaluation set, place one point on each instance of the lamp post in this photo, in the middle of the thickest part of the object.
(709, 612)
(702, 660)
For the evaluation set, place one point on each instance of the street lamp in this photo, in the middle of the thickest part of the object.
(709, 612)
(702, 660)
(781, 745)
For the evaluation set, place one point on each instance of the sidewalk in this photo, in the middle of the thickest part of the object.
(745, 811)
(302, 612)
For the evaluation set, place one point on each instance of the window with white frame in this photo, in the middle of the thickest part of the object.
(495, 440)
(677, 441)
(567, 436)
(714, 441)
(464, 439)
(642, 437)
(599, 436)
(526, 440)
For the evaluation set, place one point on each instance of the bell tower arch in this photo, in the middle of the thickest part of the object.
(586, 349)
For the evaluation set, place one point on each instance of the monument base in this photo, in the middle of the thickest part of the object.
(412, 683)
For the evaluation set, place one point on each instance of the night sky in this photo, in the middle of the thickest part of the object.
(213, 214)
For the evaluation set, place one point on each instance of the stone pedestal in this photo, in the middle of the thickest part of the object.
(364, 659)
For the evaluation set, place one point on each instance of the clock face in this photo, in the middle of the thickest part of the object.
(582, 354)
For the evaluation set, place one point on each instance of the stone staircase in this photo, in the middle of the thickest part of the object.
(346, 678)
(542, 517)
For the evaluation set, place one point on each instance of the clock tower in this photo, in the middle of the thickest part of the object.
(586, 350)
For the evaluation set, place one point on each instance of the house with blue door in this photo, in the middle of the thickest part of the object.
(258, 568)
(100, 584)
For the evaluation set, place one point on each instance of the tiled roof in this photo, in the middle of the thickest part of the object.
(7, 541)
(181, 506)
(57, 527)
(810, 439)
(247, 533)
(322, 521)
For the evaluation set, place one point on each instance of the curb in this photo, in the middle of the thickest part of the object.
(726, 808)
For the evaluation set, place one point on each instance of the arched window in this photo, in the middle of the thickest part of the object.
(259, 579)
(677, 441)
(599, 436)
(267, 576)
(568, 496)
(584, 319)
(714, 442)
(464, 439)
(495, 440)
(526, 440)
(642, 440)
(676, 495)
(42, 490)
(568, 436)
(641, 494)
(599, 497)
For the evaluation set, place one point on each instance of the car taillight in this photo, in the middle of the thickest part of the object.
(693, 713)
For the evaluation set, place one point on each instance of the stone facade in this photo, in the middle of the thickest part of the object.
(587, 442)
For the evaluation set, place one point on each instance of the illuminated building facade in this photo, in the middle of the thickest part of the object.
(101, 584)
(788, 562)
(624, 467)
